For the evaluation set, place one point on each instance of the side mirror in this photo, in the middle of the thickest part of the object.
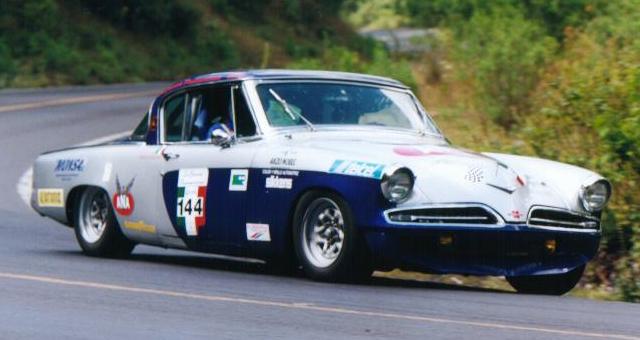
(221, 136)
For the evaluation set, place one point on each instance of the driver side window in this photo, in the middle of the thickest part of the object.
(211, 107)
(174, 118)
(193, 116)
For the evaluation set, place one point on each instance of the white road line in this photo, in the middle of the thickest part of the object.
(312, 307)
(75, 100)
(24, 187)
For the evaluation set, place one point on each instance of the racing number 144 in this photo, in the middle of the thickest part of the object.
(187, 207)
(192, 200)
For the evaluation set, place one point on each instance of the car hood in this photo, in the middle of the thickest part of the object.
(444, 174)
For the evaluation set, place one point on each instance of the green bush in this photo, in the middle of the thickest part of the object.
(342, 59)
(587, 112)
(7, 66)
(554, 16)
(500, 52)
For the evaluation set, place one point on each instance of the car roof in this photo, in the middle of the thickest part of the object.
(274, 74)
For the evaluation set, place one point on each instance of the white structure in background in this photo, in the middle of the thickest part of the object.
(404, 40)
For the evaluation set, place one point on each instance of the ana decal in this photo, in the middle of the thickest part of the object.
(123, 199)
(275, 182)
(192, 200)
(355, 168)
(53, 198)
(67, 169)
(238, 180)
(258, 232)
(140, 226)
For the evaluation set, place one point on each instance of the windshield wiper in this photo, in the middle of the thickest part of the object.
(290, 112)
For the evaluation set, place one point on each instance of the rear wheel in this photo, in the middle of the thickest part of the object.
(558, 284)
(96, 227)
(326, 242)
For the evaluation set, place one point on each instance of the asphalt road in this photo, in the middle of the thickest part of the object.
(48, 289)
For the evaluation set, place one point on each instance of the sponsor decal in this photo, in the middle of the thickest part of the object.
(516, 214)
(475, 175)
(53, 198)
(106, 175)
(258, 232)
(192, 200)
(356, 168)
(123, 199)
(282, 161)
(140, 226)
(280, 172)
(238, 179)
(275, 182)
(414, 152)
(67, 169)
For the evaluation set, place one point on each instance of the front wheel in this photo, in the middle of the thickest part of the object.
(326, 242)
(96, 227)
(557, 284)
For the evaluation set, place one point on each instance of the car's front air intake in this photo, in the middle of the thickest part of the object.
(546, 217)
(443, 215)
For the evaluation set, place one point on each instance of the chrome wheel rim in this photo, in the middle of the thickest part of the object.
(323, 232)
(94, 210)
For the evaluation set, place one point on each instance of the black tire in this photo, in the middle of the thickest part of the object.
(558, 284)
(349, 264)
(106, 240)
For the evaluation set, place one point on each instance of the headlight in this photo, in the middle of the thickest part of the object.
(397, 184)
(594, 196)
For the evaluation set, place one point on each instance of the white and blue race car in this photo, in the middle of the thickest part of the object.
(338, 173)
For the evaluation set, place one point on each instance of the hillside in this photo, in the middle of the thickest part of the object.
(49, 42)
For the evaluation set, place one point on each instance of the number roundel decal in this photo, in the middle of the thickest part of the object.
(191, 200)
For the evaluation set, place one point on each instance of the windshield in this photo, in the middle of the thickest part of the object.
(290, 104)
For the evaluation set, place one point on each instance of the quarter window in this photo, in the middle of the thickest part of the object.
(140, 133)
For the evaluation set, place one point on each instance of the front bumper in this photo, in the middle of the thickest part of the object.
(506, 250)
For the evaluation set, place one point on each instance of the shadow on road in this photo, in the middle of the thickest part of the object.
(213, 262)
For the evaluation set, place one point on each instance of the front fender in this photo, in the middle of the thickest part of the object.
(565, 179)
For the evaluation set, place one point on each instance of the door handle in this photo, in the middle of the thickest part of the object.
(168, 155)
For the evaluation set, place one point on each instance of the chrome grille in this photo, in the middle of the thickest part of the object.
(557, 218)
(441, 215)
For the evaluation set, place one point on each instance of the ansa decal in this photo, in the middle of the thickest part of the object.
(192, 199)
(66, 169)
(123, 199)
(355, 168)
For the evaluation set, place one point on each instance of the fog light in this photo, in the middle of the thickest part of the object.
(550, 246)
(446, 240)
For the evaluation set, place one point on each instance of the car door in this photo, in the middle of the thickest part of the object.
(131, 172)
(204, 186)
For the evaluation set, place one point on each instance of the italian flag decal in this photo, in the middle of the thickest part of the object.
(191, 200)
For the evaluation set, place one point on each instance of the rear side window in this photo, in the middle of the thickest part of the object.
(140, 133)
(174, 118)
